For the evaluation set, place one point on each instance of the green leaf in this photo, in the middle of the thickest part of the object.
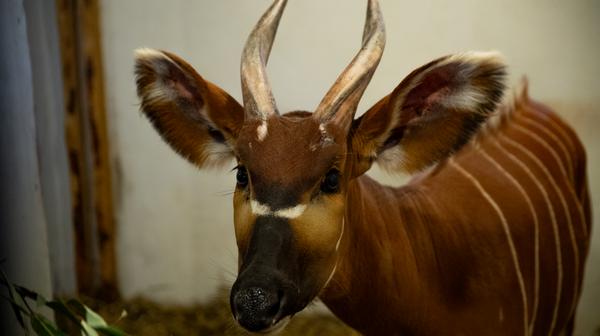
(26, 293)
(77, 306)
(15, 300)
(40, 301)
(93, 319)
(89, 322)
(43, 327)
(60, 307)
(4, 279)
(97, 323)
(86, 329)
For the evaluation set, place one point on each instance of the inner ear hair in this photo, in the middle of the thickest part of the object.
(433, 113)
(164, 78)
(196, 118)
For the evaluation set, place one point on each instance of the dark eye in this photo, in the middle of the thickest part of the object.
(242, 176)
(331, 183)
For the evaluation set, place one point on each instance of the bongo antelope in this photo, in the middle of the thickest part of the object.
(489, 238)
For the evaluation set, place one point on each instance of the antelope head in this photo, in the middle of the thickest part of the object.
(294, 169)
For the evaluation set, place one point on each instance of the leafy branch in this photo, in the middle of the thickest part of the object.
(88, 322)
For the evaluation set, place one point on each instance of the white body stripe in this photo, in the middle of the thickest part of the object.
(536, 228)
(564, 149)
(264, 210)
(569, 186)
(506, 228)
(330, 275)
(536, 137)
(556, 233)
(568, 215)
(566, 138)
(550, 209)
(337, 246)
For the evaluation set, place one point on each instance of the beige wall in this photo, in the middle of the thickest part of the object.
(175, 230)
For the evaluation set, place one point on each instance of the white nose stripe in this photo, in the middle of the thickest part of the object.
(264, 210)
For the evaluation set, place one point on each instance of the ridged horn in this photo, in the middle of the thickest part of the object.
(256, 90)
(340, 102)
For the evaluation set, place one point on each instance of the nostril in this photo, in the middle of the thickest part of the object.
(256, 308)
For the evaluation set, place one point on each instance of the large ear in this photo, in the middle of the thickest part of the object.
(197, 118)
(431, 114)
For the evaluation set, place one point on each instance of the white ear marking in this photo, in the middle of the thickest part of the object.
(159, 90)
(468, 98)
(146, 53)
(392, 159)
(220, 153)
(465, 94)
(154, 57)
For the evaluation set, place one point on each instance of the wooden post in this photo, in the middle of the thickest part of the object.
(88, 147)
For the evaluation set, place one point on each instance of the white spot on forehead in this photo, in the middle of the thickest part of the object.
(324, 134)
(265, 210)
(262, 131)
(322, 129)
(325, 137)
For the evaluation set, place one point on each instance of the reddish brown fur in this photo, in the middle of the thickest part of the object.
(432, 257)
(297, 145)
(444, 267)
